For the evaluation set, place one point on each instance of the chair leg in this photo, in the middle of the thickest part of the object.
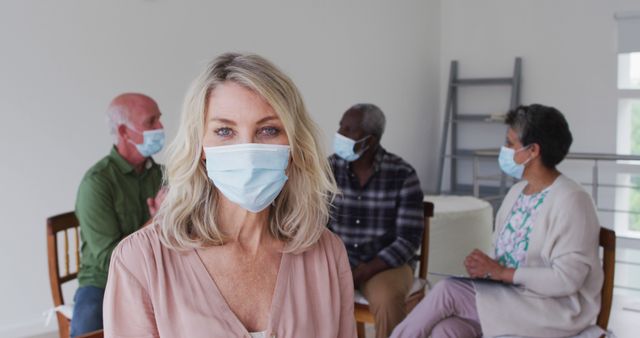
(64, 326)
(360, 329)
(413, 300)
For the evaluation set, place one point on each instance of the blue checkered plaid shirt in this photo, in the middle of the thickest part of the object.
(385, 217)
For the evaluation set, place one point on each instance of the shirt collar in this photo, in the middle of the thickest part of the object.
(124, 166)
(377, 159)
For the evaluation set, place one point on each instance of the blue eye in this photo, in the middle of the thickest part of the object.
(223, 132)
(270, 131)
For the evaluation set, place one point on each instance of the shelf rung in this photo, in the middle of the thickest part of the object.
(477, 118)
(483, 81)
(489, 177)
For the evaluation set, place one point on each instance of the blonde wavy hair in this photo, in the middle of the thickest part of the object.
(298, 216)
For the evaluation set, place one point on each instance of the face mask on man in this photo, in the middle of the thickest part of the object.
(344, 147)
(153, 141)
(509, 165)
(250, 175)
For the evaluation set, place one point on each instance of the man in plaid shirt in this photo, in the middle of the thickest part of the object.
(378, 215)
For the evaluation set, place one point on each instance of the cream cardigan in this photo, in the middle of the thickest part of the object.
(557, 289)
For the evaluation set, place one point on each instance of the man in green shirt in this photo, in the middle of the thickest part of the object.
(116, 197)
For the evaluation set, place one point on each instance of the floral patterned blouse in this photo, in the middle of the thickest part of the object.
(513, 241)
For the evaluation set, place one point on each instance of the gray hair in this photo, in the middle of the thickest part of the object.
(545, 126)
(117, 115)
(373, 120)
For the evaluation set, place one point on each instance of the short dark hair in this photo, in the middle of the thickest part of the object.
(545, 126)
(373, 120)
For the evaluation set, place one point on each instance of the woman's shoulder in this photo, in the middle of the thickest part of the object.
(567, 189)
(562, 186)
(331, 240)
(329, 244)
(135, 249)
(567, 184)
(328, 252)
(568, 200)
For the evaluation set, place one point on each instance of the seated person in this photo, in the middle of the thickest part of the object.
(115, 198)
(239, 248)
(378, 214)
(546, 249)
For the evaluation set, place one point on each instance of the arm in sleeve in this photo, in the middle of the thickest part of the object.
(97, 216)
(347, 325)
(127, 311)
(409, 224)
(573, 236)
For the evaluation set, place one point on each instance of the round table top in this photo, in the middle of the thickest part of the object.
(444, 204)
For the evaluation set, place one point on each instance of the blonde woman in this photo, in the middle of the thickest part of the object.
(239, 246)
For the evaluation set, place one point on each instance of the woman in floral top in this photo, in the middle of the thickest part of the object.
(513, 241)
(545, 260)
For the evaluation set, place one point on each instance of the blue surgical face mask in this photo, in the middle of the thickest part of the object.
(153, 141)
(344, 147)
(250, 175)
(509, 165)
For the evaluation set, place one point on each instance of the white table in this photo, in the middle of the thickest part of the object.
(459, 225)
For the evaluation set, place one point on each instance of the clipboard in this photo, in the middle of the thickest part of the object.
(466, 278)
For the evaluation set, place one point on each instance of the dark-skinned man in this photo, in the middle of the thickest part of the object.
(378, 214)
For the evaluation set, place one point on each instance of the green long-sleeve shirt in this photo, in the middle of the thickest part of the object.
(111, 204)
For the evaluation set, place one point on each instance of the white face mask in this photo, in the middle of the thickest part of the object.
(153, 142)
(509, 165)
(250, 175)
(344, 147)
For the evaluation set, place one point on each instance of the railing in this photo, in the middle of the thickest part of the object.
(597, 158)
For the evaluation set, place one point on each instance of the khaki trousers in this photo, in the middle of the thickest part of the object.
(386, 293)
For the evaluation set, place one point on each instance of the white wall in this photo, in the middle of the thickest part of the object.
(62, 61)
(569, 61)
(568, 48)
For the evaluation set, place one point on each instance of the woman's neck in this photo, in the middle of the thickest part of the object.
(243, 229)
(539, 178)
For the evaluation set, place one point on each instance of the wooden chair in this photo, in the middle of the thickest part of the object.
(94, 334)
(608, 244)
(363, 314)
(64, 224)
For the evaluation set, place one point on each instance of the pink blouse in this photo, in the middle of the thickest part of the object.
(154, 291)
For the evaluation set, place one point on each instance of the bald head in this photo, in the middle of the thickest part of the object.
(132, 100)
(133, 110)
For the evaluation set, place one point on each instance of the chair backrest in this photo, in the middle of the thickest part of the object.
(608, 244)
(64, 223)
(424, 250)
